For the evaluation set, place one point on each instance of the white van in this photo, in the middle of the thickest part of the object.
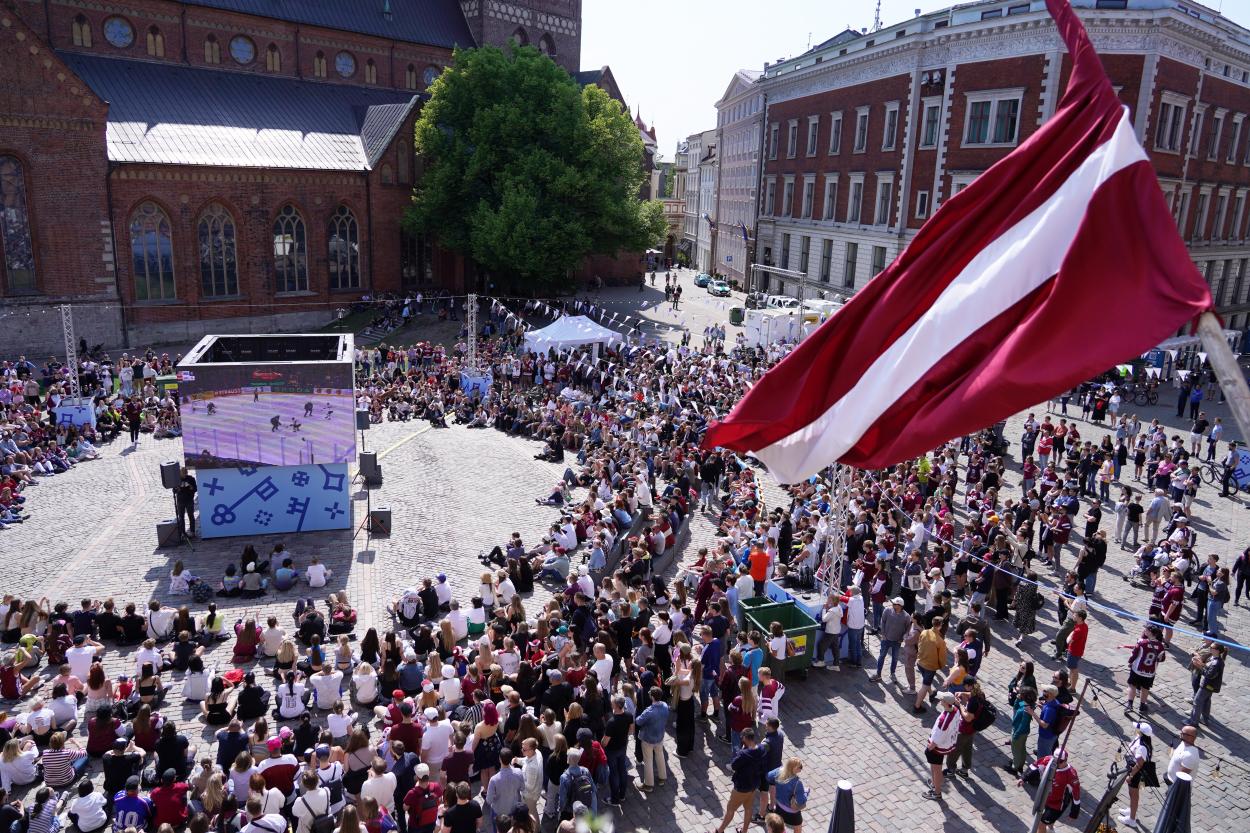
(781, 302)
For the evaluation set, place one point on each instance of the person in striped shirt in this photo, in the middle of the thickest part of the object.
(63, 761)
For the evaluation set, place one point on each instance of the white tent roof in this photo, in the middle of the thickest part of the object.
(569, 331)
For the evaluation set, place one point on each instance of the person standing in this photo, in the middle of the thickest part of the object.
(650, 725)
(931, 657)
(1231, 459)
(790, 793)
(1210, 681)
(1217, 597)
(747, 771)
(1048, 721)
(942, 739)
(1241, 569)
(1142, 665)
(970, 704)
(1213, 437)
(1023, 715)
(1065, 789)
(1185, 756)
(894, 625)
(1076, 646)
(1141, 769)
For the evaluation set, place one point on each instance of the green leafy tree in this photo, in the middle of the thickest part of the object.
(526, 172)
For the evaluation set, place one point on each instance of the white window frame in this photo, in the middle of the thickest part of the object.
(872, 262)
(922, 205)
(1172, 115)
(787, 195)
(934, 102)
(809, 196)
(995, 99)
(860, 143)
(770, 197)
(1182, 211)
(884, 181)
(1195, 128)
(826, 260)
(961, 181)
(1239, 213)
(1221, 214)
(1238, 120)
(829, 207)
(855, 205)
(1217, 127)
(835, 132)
(774, 138)
(792, 138)
(813, 134)
(1200, 212)
(889, 138)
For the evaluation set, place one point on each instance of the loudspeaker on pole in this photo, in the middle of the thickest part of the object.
(171, 474)
(380, 521)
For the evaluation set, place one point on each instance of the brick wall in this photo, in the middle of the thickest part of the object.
(559, 22)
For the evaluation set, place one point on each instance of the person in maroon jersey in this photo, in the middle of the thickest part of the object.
(1143, 664)
(1065, 788)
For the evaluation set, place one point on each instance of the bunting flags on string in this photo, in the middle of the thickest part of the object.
(1202, 357)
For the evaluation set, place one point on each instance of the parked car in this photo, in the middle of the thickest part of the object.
(702, 279)
(781, 302)
(718, 288)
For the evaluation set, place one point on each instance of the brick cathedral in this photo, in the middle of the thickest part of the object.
(172, 167)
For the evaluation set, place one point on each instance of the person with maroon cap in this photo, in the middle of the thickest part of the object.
(170, 800)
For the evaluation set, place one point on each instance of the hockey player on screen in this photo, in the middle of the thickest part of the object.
(276, 422)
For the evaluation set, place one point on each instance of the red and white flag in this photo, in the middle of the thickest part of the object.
(1058, 262)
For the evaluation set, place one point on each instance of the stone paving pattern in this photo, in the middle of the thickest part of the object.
(455, 492)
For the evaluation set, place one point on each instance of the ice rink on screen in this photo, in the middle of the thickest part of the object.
(241, 429)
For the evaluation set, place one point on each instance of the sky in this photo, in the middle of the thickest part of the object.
(675, 58)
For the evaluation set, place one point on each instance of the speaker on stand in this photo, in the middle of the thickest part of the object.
(169, 532)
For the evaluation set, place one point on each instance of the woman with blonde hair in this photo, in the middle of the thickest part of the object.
(286, 658)
(213, 796)
(446, 639)
(349, 822)
(741, 712)
(789, 793)
(365, 684)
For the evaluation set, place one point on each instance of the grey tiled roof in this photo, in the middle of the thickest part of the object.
(171, 114)
(433, 22)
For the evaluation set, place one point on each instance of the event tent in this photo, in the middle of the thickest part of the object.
(570, 331)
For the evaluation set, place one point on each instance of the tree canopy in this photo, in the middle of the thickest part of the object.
(526, 172)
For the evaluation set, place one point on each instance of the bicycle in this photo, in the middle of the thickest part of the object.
(1147, 395)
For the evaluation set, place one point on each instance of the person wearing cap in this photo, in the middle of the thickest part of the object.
(894, 625)
(576, 786)
(1141, 767)
(942, 739)
(82, 655)
(119, 763)
(442, 591)
(131, 809)
(169, 800)
(278, 769)
(1065, 788)
(423, 801)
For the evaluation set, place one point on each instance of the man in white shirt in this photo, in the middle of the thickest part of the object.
(327, 685)
(317, 573)
(380, 786)
(262, 822)
(81, 656)
(442, 589)
(160, 621)
(271, 638)
(584, 582)
(1185, 756)
(314, 801)
(435, 741)
(87, 809)
(602, 666)
(146, 653)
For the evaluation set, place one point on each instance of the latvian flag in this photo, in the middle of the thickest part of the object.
(1058, 262)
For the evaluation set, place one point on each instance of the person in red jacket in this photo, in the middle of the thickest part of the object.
(1065, 786)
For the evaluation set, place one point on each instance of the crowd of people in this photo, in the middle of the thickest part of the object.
(478, 709)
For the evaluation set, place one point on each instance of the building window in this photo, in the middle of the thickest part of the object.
(891, 127)
(772, 142)
(792, 140)
(861, 130)
(1238, 205)
(826, 260)
(1217, 127)
(857, 197)
(1168, 131)
(521, 37)
(219, 266)
(922, 204)
(785, 251)
(371, 72)
(410, 77)
(290, 251)
(344, 246)
(929, 131)
(345, 64)
(404, 157)
(82, 31)
(1195, 137)
(770, 201)
(319, 65)
(885, 195)
(16, 244)
(1237, 282)
(848, 265)
(156, 43)
(242, 50)
(1200, 217)
(273, 58)
(547, 46)
(805, 246)
(416, 259)
(787, 197)
(835, 133)
(119, 32)
(212, 50)
(831, 198)
(387, 174)
(430, 76)
(1236, 140)
(878, 260)
(152, 254)
(1221, 204)
(813, 129)
(993, 119)
(809, 196)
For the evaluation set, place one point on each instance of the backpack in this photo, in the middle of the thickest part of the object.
(334, 785)
(321, 822)
(985, 717)
(201, 592)
(582, 789)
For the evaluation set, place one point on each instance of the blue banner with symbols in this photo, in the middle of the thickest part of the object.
(259, 500)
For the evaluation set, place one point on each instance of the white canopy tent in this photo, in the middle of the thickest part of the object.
(570, 331)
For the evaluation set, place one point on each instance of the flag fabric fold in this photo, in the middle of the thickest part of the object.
(1058, 262)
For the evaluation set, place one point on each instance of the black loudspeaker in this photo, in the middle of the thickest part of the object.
(362, 419)
(369, 464)
(380, 521)
(171, 475)
(167, 534)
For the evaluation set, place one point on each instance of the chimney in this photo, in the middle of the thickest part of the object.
(386, 9)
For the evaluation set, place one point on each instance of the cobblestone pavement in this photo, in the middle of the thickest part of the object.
(456, 492)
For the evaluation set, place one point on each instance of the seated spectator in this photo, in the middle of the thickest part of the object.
(102, 731)
(63, 761)
(252, 700)
(247, 640)
(88, 809)
(18, 764)
(174, 752)
(216, 708)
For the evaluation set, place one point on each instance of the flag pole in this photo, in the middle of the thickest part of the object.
(1231, 378)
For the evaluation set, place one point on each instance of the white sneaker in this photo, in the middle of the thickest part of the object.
(818, 663)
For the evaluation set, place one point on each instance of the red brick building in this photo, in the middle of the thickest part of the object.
(867, 133)
(172, 167)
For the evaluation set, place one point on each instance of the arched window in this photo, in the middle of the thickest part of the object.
(219, 267)
(547, 46)
(416, 259)
(152, 254)
(344, 245)
(156, 43)
(371, 72)
(404, 155)
(17, 252)
(521, 37)
(319, 65)
(388, 176)
(273, 58)
(82, 31)
(410, 77)
(212, 50)
(290, 251)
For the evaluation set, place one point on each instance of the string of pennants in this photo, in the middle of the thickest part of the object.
(631, 326)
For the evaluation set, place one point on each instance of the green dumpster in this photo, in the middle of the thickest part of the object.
(799, 629)
(757, 606)
(736, 315)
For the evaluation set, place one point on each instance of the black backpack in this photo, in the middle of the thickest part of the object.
(321, 822)
(582, 789)
(985, 717)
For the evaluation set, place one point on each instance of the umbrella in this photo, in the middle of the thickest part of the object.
(1174, 814)
(843, 819)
